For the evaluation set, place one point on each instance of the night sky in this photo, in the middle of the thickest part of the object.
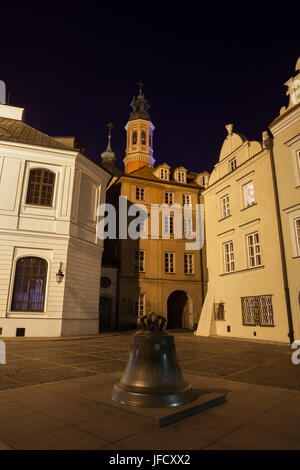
(75, 68)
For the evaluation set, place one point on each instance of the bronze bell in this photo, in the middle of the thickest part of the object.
(152, 377)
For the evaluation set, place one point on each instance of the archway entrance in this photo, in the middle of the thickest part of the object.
(178, 310)
(105, 305)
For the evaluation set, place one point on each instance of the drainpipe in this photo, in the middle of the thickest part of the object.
(268, 144)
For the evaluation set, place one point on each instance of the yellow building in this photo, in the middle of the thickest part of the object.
(286, 132)
(246, 295)
(154, 273)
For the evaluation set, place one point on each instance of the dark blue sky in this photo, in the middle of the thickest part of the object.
(75, 68)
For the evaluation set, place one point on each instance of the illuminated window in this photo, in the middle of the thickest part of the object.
(249, 194)
(143, 138)
(140, 305)
(169, 262)
(228, 257)
(29, 285)
(40, 188)
(254, 254)
(164, 174)
(181, 176)
(225, 208)
(134, 138)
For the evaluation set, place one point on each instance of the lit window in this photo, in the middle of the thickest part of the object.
(164, 174)
(30, 285)
(257, 311)
(187, 200)
(143, 138)
(140, 305)
(228, 257)
(169, 224)
(140, 261)
(140, 194)
(232, 164)
(188, 263)
(181, 176)
(169, 262)
(249, 194)
(134, 138)
(40, 188)
(225, 208)
(254, 254)
(188, 226)
(169, 198)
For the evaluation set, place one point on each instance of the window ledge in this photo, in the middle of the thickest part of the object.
(248, 207)
(295, 257)
(223, 218)
(242, 270)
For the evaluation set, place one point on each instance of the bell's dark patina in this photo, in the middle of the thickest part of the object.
(152, 377)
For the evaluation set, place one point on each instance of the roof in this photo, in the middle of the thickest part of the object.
(14, 130)
(147, 172)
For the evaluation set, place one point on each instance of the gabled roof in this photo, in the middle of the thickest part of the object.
(14, 130)
(147, 172)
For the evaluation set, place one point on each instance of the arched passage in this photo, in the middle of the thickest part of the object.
(178, 309)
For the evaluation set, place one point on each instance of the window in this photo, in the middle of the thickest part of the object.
(40, 188)
(140, 261)
(188, 263)
(105, 282)
(228, 257)
(254, 254)
(187, 200)
(169, 224)
(143, 138)
(140, 305)
(164, 174)
(203, 180)
(181, 176)
(257, 310)
(150, 140)
(297, 234)
(30, 284)
(134, 138)
(232, 164)
(169, 262)
(140, 194)
(225, 209)
(219, 311)
(169, 198)
(187, 226)
(249, 194)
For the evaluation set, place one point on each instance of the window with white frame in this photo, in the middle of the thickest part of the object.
(140, 193)
(232, 164)
(140, 261)
(297, 234)
(187, 200)
(139, 305)
(169, 262)
(189, 267)
(187, 226)
(225, 208)
(164, 174)
(228, 257)
(169, 224)
(181, 177)
(248, 190)
(254, 252)
(169, 198)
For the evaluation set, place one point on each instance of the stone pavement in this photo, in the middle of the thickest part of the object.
(51, 396)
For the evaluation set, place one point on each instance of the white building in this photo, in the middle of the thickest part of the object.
(49, 193)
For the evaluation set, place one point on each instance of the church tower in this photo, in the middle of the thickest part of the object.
(139, 147)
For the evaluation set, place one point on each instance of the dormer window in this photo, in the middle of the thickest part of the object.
(181, 176)
(134, 138)
(143, 138)
(164, 174)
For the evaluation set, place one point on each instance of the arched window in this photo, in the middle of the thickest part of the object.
(134, 138)
(40, 187)
(143, 138)
(30, 283)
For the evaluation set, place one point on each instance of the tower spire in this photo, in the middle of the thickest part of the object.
(108, 156)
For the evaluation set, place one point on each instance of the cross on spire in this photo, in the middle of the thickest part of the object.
(140, 84)
(110, 126)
